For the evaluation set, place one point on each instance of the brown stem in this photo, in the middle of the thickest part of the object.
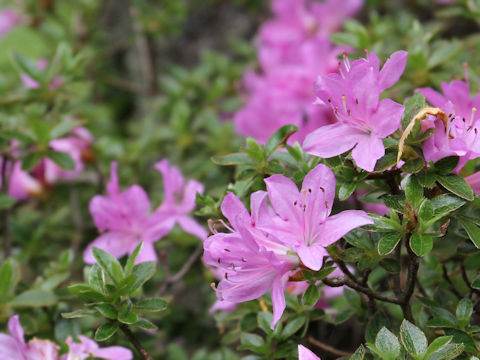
(411, 280)
(170, 279)
(131, 337)
(449, 281)
(328, 348)
(341, 281)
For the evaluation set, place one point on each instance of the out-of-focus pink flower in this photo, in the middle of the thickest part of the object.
(179, 200)
(252, 262)
(30, 83)
(9, 18)
(280, 98)
(305, 354)
(371, 207)
(474, 181)
(363, 119)
(22, 185)
(306, 223)
(124, 219)
(13, 346)
(459, 137)
(87, 348)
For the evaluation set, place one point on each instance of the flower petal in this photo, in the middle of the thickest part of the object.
(305, 354)
(368, 150)
(393, 69)
(192, 227)
(278, 301)
(284, 194)
(331, 140)
(115, 243)
(312, 256)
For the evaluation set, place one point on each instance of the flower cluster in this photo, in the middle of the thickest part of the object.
(123, 216)
(14, 347)
(293, 50)
(23, 184)
(9, 18)
(286, 229)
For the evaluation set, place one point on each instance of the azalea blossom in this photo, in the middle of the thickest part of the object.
(252, 261)
(363, 120)
(14, 347)
(9, 18)
(124, 220)
(88, 348)
(306, 223)
(179, 200)
(474, 181)
(30, 83)
(459, 136)
(22, 185)
(305, 354)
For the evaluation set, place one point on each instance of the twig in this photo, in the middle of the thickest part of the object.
(170, 279)
(411, 280)
(328, 348)
(341, 281)
(449, 281)
(128, 333)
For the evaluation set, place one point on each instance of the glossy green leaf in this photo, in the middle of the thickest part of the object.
(106, 331)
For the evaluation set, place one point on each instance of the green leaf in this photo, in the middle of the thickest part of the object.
(446, 203)
(421, 244)
(413, 339)
(7, 278)
(446, 165)
(26, 65)
(63, 128)
(150, 305)
(251, 342)
(456, 185)
(106, 331)
(254, 150)
(436, 345)
(30, 161)
(346, 190)
(464, 312)
(62, 159)
(130, 318)
(461, 337)
(448, 352)
(95, 278)
(473, 231)
(413, 166)
(387, 343)
(145, 324)
(233, 159)
(386, 162)
(395, 202)
(109, 264)
(426, 179)
(388, 242)
(107, 310)
(426, 210)
(131, 259)
(293, 326)
(34, 298)
(378, 321)
(143, 272)
(78, 314)
(476, 283)
(311, 295)
(6, 201)
(359, 354)
(413, 191)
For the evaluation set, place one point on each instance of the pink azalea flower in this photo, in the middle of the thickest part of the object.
(125, 221)
(474, 181)
(462, 127)
(279, 98)
(252, 261)
(22, 185)
(13, 346)
(8, 20)
(305, 222)
(179, 200)
(363, 119)
(305, 354)
(88, 348)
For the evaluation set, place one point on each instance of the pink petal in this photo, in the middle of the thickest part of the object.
(190, 194)
(319, 189)
(393, 69)
(433, 97)
(386, 120)
(305, 354)
(278, 301)
(10, 348)
(331, 140)
(284, 195)
(16, 329)
(192, 227)
(115, 243)
(312, 256)
(146, 254)
(114, 353)
(338, 225)
(112, 186)
(368, 150)
(234, 210)
(474, 181)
